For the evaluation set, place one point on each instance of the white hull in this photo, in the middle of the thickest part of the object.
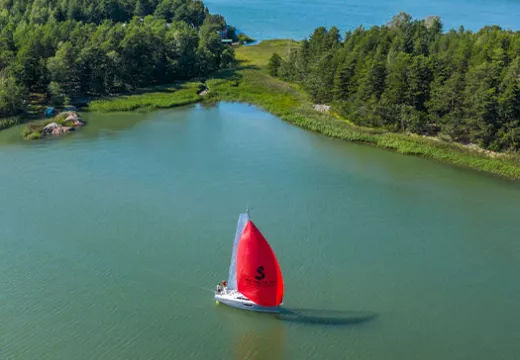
(236, 300)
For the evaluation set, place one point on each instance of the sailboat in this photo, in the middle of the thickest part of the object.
(255, 280)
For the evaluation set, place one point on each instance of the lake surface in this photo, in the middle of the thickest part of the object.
(297, 19)
(113, 240)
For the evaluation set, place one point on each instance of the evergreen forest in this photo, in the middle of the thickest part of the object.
(411, 76)
(67, 49)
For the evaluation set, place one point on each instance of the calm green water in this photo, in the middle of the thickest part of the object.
(281, 19)
(114, 238)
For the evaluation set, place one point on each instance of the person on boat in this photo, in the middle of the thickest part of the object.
(224, 284)
(219, 289)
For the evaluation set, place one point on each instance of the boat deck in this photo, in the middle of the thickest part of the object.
(235, 299)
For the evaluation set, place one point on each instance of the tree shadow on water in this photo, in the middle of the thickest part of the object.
(326, 317)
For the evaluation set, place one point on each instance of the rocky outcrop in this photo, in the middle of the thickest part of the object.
(72, 119)
(71, 122)
(63, 123)
(62, 130)
(50, 127)
(56, 129)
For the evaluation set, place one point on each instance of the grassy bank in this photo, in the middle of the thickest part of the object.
(9, 121)
(260, 54)
(157, 98)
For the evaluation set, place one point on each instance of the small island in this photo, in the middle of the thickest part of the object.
(63, 123)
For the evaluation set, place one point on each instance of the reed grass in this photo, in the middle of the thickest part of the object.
(166, 98)
(9, 121)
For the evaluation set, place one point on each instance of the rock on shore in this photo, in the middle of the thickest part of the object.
(62, 123)
(57, 128)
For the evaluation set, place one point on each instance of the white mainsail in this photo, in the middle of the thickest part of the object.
(232, 278)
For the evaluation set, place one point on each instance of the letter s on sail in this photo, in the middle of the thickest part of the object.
(260, 270)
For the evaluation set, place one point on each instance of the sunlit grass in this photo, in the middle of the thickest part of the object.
(166, 98)
(260, 54)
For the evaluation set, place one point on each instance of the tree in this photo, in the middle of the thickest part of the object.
(63, 70)
(396, 90)
(227, 59)
(446, 106)
(344, 85)
(509, 108)
(401, 20)
(419, 76)
(12, 95)
(27, 61)
(333, 38)
(140, 9)
(274, 64)
(164, 10)
(481, 104)
(321, 81)
(56, 95)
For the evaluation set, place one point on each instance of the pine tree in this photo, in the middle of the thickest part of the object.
(419, 76)
(396, 91)
(12, 95)
(274, 64)
(56, 95)
(344, 85)
(509, 108)
(140, 9)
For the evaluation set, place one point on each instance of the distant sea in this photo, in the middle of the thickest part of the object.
(268, 19)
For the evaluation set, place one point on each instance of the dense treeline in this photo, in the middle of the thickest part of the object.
(410, 76)
(71, 48)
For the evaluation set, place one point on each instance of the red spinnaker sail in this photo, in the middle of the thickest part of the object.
(259, 277)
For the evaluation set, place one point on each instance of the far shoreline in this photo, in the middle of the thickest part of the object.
(250, 83)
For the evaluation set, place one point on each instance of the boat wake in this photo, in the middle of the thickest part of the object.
(326, 317)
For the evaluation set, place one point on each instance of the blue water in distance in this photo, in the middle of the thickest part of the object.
(269, 19)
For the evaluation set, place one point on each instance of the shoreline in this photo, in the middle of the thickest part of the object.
(250, 83)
